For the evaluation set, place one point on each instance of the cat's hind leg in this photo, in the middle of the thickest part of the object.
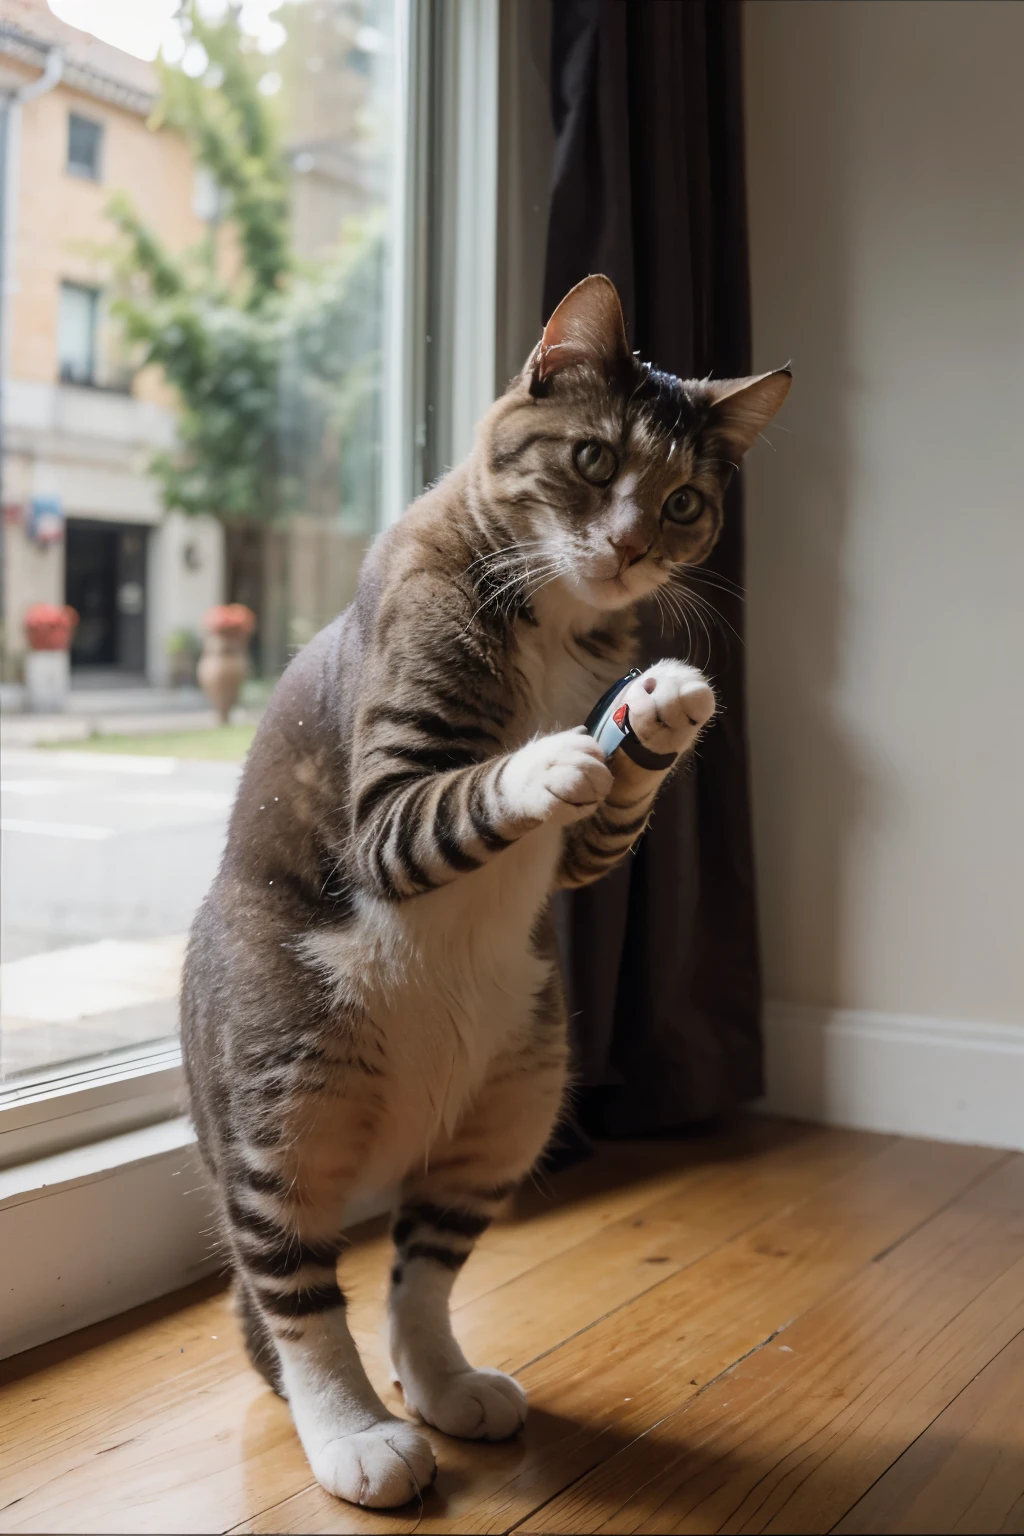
(259, 1341)
(283, 1186)
(442, 1212)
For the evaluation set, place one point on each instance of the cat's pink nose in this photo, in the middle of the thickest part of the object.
(629, 548)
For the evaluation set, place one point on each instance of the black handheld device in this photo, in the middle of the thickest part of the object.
(608, 723)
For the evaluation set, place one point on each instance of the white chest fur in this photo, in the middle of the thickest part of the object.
(450, 978)
(450, 981)
(561, 682)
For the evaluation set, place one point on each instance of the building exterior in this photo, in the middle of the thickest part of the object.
(82, 518)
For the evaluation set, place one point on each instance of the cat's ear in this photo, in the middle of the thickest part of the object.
(587, 327)
(741, 408)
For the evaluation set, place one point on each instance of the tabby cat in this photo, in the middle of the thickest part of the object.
(371, 1001)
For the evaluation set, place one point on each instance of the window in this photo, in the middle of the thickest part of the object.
(85, 142)
(76, 333)
(253, 463)
(247, 465)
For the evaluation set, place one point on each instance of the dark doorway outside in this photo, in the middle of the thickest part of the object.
(105, 583)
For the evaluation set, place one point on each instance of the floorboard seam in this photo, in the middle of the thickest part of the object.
(756, 1349)
(672, 1275)
(979, 1179)
(869, 1153)
(945, 1409)
(733, 1237)
(561, 1253)
(656, 1425)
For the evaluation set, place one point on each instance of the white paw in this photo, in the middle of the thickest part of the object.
(669, 706)
(475, 1405)
(382, 1467)
(558, 778)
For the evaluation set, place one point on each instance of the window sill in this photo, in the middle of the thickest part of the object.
(122, 387)
(75, 1104)
(92, 1231)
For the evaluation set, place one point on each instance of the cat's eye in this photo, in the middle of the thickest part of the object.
(684, 505)
(595, 461)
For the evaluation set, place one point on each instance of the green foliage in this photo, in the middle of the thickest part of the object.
(233, 133)
(277, 370)
(329, 386)
(219, 743)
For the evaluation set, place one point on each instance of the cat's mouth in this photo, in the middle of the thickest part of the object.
(615, 587)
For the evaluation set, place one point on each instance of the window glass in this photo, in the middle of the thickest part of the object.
(223, 295)
(85, 139)
(76, 333)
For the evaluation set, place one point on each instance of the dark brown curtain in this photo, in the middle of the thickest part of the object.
(661, 957)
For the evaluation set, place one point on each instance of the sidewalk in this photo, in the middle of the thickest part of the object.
(106, 858)
(91, 715)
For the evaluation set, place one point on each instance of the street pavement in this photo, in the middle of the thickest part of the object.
(17, 730)
(105, 859)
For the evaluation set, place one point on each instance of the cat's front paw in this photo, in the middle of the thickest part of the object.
(473, 1405)
(669, 706)
(558, 778)
(381, 1467)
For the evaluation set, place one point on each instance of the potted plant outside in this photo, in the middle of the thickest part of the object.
(225, 660)
(182, 649)
(48, 629)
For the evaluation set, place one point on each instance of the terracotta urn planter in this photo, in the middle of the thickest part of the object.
(48, 630)
(225, 660)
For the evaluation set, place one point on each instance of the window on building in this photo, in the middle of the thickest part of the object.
(85, 143)
(76, 333)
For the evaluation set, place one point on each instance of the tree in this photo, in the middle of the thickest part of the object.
(270, 362)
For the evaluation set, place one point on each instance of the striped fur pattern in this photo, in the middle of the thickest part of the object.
(371, 1000)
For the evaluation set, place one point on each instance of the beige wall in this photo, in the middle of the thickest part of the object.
(185, 577)
(62, 229)
(886, 533)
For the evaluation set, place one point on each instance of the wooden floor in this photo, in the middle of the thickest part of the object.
(779, 1328)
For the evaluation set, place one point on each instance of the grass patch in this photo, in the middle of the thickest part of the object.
(219, 744)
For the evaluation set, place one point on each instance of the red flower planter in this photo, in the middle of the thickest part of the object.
(224, 662)
(233, 620)
(49, 628)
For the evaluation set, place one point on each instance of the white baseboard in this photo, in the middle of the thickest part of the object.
(941, 1078)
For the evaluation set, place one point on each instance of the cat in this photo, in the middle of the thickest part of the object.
(371, 1000)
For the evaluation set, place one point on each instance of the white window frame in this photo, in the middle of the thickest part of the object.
(77, 1103)
(443, 306)
(98, 1160)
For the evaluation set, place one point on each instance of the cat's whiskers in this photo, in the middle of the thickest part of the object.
(683, 611)
(492, 597)
(518, 580)
(519, 547)
(700, 606)
(698, 614)
(709, 608)
(670, 601)
(660, 603)
(549, 572)
(682, 605)
(561, 568)
(715, 579)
